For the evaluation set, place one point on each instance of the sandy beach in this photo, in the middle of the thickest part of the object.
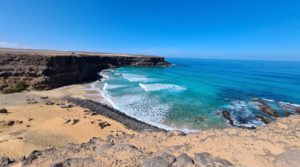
(39, 120)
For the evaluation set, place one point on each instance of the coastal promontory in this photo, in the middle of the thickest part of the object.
(22, 69)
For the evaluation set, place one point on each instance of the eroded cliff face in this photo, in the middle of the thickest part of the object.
(47, 70)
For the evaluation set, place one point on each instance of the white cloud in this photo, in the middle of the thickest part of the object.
(12, 45)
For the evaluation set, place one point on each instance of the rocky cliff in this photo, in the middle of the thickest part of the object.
(32, 69)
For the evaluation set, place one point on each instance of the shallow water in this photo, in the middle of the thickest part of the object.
(191, 94)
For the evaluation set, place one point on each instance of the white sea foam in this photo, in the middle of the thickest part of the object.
(134, 105)
(148, 110)
(159, 86)
(112, 86)
(269, 100)
(137, 78)
(104, 75)
(282, 103)
(92, 87)
(242, 114)
(288, 104)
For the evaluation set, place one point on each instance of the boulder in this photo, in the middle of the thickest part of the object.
(265, 108)
(3, 111)
(5, 161)
(34, 155)
(263, 119)
(287, 159)
(164, 160)
(205, 159)
(183, 160)
(227, 115)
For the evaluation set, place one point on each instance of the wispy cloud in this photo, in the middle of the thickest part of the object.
(4, 44)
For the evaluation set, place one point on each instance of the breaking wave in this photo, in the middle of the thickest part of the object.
(148, 110)
(137, 78)
(111, 86)
(159, 86)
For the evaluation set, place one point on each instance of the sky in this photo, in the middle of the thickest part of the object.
(229, 29)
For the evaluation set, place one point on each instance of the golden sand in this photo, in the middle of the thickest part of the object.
(39, 126)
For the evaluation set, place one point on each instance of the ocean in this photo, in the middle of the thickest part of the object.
(191, 94)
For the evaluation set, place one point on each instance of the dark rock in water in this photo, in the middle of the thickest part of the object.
(287, 113)
(297, 109)
(34, 155)
(227, 115)
(288, 159)
(205, 159)
(165, 160)
(268, 110)
(290, 108)
(3, 111)
(183, 160)
(265, 108)
(4, 161)
(263, 119)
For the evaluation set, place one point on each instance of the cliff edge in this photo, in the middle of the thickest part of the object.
(274, 145)
(22, 69)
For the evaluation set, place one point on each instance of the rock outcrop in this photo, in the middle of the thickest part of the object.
(276, 144)
(40, 70)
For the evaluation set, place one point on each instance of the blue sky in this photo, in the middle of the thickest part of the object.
(234, 29)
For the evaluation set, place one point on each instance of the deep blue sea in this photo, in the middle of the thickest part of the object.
(191, 94)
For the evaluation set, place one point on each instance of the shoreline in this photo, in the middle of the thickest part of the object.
(108, 102)
(38, 120)
(114, 114)
(94, 99)
(230, 144)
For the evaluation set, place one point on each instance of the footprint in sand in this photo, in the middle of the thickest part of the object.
(72, 121)
(101, 123)
(10, 122)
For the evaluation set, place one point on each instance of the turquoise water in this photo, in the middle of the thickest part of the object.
(191, 94)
